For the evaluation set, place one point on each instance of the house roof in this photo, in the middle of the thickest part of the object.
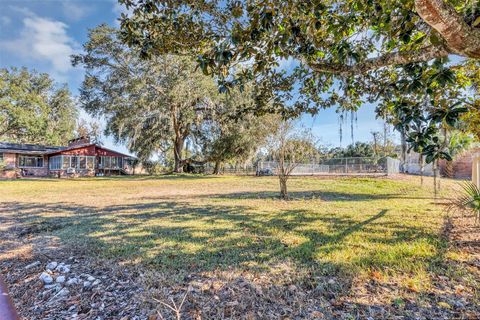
(24, 148)
(85, 145)
(36, 149)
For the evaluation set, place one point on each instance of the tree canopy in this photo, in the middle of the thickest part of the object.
(341, 47)
(162, 104)
(150, 104)
(33, 109)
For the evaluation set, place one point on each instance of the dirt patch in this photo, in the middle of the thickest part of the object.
(26, 256)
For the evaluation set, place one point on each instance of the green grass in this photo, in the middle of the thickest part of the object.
(184, 224)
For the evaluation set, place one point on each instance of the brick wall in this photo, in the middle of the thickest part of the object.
(35, 172)
(10, 160)
(461, 168)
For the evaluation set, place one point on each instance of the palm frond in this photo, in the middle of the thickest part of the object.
(469, 200)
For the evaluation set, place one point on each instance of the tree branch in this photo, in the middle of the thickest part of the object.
(459, 36)
(388, 59)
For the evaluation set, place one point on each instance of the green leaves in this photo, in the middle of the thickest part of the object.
(33, 109)
(148, 104)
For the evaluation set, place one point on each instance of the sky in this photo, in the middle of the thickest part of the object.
(43, 34)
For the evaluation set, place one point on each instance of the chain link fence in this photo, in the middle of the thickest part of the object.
(333, 166)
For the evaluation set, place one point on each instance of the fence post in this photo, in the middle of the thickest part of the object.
(476, 170)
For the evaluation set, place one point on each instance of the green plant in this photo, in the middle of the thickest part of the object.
(469, 200)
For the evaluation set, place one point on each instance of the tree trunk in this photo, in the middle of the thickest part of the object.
(404, 152)
(177, 151)
(439, 178)
(435, 178)
(216, 170)
(283, 187)
(422, 168)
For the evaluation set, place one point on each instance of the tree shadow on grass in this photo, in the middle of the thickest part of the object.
(175, 235)
(321, 195)
(181, 238)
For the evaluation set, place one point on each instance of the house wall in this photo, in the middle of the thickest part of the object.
(63, 173)
(108, 153)
(10, 165)
(461, 167)
(84, 151)
(90, 150)
(12, 162)
(13, 168)
(34, 172)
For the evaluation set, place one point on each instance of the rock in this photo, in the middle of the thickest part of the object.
(96, 282)
(87, 284)
(90, 278)
(62, 293)
(331, 281)
(458, 304)
(60, 279)
(52, 265)
(72, 281)
(52, 286)
(46, 278)
(63, 268)
(32, 265)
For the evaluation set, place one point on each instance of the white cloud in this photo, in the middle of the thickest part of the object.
(75, 11)
(43, 39)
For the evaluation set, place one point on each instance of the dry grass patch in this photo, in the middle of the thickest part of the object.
(333, 239)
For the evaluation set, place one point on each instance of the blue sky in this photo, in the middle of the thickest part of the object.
(42, 35)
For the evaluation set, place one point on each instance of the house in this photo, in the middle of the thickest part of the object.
(79, 158)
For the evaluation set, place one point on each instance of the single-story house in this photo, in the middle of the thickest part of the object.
(79, 158)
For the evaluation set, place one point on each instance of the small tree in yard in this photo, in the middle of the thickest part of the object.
(289, 148)
(231, 135)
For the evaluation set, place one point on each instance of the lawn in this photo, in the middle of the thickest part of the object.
(347, 229)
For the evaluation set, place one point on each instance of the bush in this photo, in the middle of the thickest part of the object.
(154, 167)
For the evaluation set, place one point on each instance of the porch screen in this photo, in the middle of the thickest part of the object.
(55, 163)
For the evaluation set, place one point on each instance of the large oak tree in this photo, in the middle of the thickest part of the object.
(33, 109)
(152, 105)
(339, 46)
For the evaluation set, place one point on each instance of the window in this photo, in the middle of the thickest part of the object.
(107, 162)
(73, 162)
(66, 162)
(55, 163)
(114, 162)
(90, 163)
(82, 162)
(31, 161)
(78, 162)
